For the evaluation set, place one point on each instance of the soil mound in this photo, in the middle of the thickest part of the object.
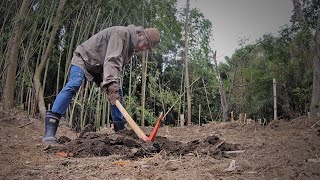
(128, 146)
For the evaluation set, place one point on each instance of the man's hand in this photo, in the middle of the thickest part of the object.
(113, 92)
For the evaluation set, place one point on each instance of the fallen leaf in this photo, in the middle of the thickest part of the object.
(62, 154)
(121, 163)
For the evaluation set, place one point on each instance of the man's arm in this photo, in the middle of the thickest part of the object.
(112, 67)
(113, 62)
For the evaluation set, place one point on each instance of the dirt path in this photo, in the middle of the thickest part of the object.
(278, 151)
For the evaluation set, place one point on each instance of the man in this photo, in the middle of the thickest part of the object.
(101, 58)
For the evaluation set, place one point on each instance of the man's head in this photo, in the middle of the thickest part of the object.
(147, 39)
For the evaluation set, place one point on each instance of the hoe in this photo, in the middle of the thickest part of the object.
(136, 128)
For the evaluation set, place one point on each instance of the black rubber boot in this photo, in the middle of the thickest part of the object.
(51, 126)
(118, 126)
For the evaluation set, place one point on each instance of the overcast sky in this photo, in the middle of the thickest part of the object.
(234, 20)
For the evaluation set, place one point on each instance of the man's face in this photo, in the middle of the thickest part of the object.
(143, 43)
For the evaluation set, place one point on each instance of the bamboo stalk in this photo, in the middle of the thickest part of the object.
(104, 106)
(58, 73)
(143, 87)
(108, 115)
(89, 101)
(84, 104)
(95, 23)
(29, 100)
(143, 74)
(130, 84)
(162, 103)
(33, 103)
(69, 55)
(98, 110)
(6, 16)
(134, 74)
(73, 107)
(7, 56)
(179, 98)
(42, 41)
(86, 31)
(205, 90)
(45, 75)
(24, 66)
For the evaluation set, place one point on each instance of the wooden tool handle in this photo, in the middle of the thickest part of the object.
(131, 122)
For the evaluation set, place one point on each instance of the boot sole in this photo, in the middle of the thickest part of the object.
(49, 140)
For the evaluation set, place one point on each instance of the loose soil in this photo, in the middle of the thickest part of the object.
(128, 146)
(281, 150)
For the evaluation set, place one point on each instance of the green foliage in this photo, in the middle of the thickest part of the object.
(251, 69)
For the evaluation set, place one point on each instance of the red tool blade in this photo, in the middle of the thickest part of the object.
(156, 128)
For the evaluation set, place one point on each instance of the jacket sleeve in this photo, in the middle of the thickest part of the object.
(113, 62)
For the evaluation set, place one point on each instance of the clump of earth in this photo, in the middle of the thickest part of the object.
(127, 145)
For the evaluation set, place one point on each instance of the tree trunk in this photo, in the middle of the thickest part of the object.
(224, 103)
(315, 98)
(186, 79)
(13, 57)
(313, 45)
(44, 58)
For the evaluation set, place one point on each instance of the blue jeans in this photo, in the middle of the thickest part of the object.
(63, 99)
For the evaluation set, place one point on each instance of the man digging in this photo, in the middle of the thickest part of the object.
(101, 58)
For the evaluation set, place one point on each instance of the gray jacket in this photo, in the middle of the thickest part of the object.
(103, 56)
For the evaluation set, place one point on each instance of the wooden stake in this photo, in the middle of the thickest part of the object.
(275, 100)
(240, 118)
(199, 114)
(181, 120)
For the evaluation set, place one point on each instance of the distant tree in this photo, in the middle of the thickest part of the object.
(186, 77)
(14, 55)
(314, 44)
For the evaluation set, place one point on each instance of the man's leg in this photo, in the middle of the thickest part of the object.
(63, 99)
(117, 118)
(61, 104)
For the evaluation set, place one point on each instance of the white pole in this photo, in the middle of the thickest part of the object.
(199, 114)
(275, 100)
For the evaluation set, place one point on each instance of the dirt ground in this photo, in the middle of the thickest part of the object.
(281, 150)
